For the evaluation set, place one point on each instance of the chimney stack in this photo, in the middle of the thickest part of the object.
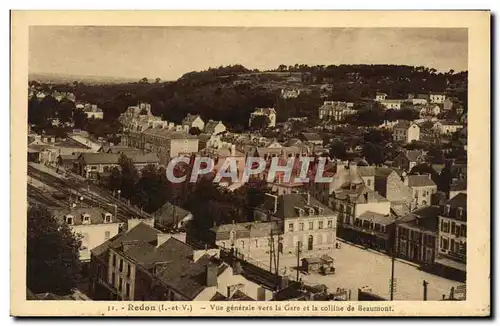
(211, 275)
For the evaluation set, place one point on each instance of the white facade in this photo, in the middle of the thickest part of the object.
(407, 134)
(437, 98)
(269, 112)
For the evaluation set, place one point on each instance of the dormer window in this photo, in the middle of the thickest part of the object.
(460, 212)
(107, 218)
(69, 219)
(447, 210)
(85, 218)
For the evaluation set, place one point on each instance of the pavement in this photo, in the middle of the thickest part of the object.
(359, 267)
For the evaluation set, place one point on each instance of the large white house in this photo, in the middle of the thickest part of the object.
(406, 132)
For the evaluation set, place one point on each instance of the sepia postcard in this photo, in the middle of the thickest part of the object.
(234, 163)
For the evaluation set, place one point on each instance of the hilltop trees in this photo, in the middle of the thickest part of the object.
(52, 254)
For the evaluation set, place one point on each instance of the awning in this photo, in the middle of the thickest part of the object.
(452, 263)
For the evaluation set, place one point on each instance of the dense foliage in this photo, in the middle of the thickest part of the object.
(52, 254)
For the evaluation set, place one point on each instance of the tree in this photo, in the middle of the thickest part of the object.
(52, 254)
(129, 178)
(157, 80)
(194, 131)
(338, 150)
(260, 122)
(80, 119)
(143, 81)
(115, 179)
(65, 112)
(373, 154)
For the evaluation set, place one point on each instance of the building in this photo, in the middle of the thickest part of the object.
(407, 159)
(95, 225)
(393, 104)
(430, 110)
(96, 165)
(422, 188)
(92, 165)
(171, 217)
(307, 223)
(458, 186)
(268, 112)
(193, 121)
(168, 143)
(437, 98)
(416, 236)
(447, 127)
(380, 97)
(144, 264)
(419, 99)
(214, 127)
(389, 184)
(451, 103)
(93, 112)
(335, 110)
(354, 202)
(250, 239)
(290, 93)
(451, 257)
(406, 132)
(311, 138)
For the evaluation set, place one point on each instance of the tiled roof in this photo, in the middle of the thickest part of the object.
(170, 213)
(96, 214)
(459, 185)
(377, 218)
(246, 230)
(424, 219)
(287, 206)
(413, 155)
(420, 181)
(100, 158)
(145, 158)
(168, 134)
(311, 136)
(190, 118)
(402, 125)
(459, 200)
(359, 195)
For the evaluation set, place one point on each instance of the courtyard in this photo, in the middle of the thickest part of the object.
(357, 267)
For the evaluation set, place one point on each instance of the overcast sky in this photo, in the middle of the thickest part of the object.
(169, 52)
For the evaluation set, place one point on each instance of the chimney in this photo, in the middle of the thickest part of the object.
(237, 267)
(261, 294)
(405, 179)
(161, 238)
(211, 275)
(307, 197)
(275, 202)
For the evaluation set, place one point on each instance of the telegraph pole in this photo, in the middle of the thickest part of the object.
(392, 277)
(271, 243)
(425, 283)
(298, 259)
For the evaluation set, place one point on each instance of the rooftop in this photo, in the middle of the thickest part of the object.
(377, 218)
(288, 204)
(96, 215)
(420, 181)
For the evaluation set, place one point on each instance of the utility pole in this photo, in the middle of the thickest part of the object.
(271, 252)
(392, 277)
(278, 255)
(298, 259)
(425, 283)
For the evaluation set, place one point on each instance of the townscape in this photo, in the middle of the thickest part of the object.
(105, 222)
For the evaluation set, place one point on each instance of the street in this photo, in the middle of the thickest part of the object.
(357, 267)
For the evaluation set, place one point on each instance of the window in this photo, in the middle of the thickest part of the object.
(256, 243)
(463, 230)
(330, 224)
(120, 285)
(120, 268)
(113, 279)
(128, 270)
(127, 289)
(290, 227)
(444, 244)
(452, 245)
(242, 244)
(369, 182)
(311, 225)
(69, 220)
(453, 227)
(320, 225)
(106, 235)
(301, 226)
(114, 260)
